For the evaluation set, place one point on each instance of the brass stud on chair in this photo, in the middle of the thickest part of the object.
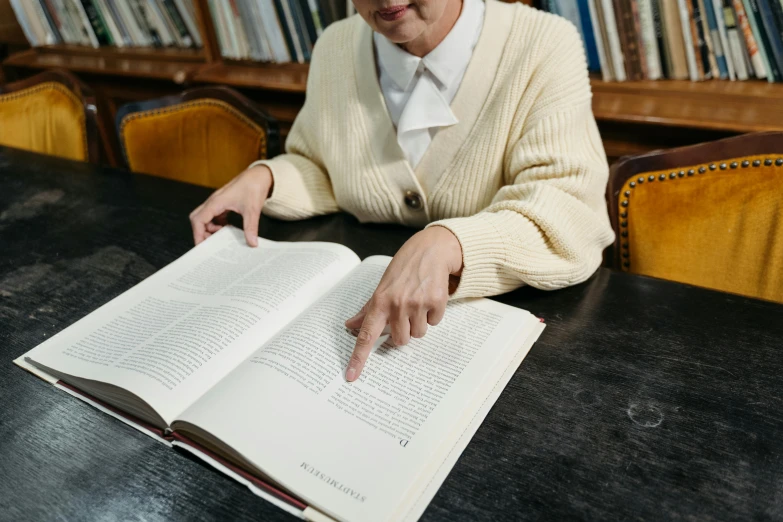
(651, 178)
(627, 193)
(624, 233)
(745, 164)
(625, 245)
(640, 180)
(767, 162)
(662, 177)
(779, 162)
(624, 203)
(702, 170)
(691, 172)
(627, 264)
(624, 213)
(624, 224)
(626, 255)
(681, 173)
(756, 163)
(734, 165)
(713, 166)
(632, 184)
(673, 175)
(723, 166)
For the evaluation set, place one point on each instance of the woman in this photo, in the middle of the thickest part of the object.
(472, 118)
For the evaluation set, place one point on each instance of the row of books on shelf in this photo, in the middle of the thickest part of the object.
(679, 39)
(273, 30)
(96, 23)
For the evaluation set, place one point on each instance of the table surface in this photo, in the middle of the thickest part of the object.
(643, 399)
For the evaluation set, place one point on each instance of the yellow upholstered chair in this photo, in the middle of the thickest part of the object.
(204, 136)
(710, 215)
(50, 113)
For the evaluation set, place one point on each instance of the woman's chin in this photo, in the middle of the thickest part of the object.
(399, 31)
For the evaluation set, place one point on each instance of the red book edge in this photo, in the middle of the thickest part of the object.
(268, 488)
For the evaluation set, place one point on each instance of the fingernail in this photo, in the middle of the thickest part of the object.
(350, 374)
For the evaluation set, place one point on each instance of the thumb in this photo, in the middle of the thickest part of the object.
(250, 225)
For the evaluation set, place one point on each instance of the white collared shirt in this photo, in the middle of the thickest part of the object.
(419, 91)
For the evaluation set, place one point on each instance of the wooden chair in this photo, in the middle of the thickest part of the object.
(710, 215)
(204, 136)
(51, 113)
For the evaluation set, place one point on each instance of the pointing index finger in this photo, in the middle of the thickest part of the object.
(372, 327)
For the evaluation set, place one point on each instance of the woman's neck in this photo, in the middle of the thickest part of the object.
(435, 34)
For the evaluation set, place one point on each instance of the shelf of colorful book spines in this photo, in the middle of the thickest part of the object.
(125, 25)
(678, 39)
(288, 29)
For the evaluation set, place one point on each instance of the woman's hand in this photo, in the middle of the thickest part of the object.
(411, 295)
(244, 195)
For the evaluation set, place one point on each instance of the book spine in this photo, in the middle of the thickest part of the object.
(219, 33)
(190, 21)
(274, 31)
(650, 39)
(24, 23)
(301, 32)
(699, 45)
(86, 23)
(628, 40)
(325, 10)
(53, 20)
(121, 22)
(687, 35)
(254, 38)
(286, 24)
(723, 36)
(754, 17)
(591, 48)
(712, 37)
(42, 22)
(167, 25)
(63, 22)
(748, 35)
(97, 22)
(79, 31)
(308, 24)
(639, 39)
(177, 22)
(777, 12)
(111, 25)
(734, 46)
(316, 14)
(597, 24)
(775, 45)
(613, 37)
(660, 38)
(138, 7)
(569, 10)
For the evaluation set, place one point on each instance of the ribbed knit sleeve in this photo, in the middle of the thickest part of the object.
(302, 187)
(547, 227)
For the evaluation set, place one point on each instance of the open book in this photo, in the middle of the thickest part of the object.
(237, 355)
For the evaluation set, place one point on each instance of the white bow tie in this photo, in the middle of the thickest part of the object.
(426, 108)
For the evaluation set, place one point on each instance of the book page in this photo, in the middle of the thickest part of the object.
(358, 450)
(173, 336)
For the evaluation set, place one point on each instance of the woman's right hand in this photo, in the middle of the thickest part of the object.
(245, 195)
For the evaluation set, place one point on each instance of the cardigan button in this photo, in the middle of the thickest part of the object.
(413, 200)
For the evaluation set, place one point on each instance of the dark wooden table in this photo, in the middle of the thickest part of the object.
(643, 399)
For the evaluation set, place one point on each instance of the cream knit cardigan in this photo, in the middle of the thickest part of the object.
(519, 180)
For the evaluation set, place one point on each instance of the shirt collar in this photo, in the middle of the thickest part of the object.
(447, 61)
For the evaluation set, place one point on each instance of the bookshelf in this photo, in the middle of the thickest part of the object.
(633, 117)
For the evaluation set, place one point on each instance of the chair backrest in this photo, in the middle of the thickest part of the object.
(50, 113)
(710, 215)
(204, 136)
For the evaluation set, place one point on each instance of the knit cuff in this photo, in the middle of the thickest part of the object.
(483, 255)
(286, 189)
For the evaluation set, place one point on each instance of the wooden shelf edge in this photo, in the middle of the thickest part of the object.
(290, 77)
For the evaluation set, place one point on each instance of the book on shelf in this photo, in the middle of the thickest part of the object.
(102, 23)
(679, 39)
(236, 355)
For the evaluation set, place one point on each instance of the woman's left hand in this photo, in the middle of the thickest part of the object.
(411, 295)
